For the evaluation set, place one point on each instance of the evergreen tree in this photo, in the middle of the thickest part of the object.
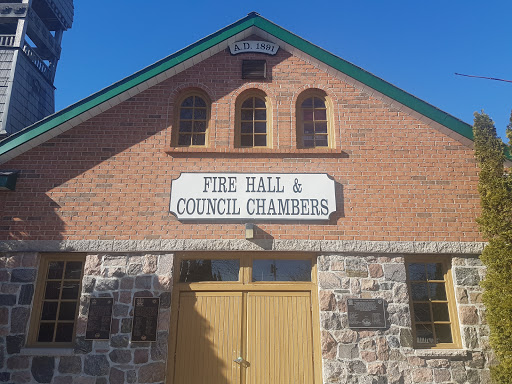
(495, 222)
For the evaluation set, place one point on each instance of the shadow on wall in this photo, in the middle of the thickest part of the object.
(208, 339)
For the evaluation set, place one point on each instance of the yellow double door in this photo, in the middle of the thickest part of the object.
(246, 337)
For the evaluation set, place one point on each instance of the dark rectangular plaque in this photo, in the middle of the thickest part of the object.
(366, 313)
(145, 318)
(99, 319)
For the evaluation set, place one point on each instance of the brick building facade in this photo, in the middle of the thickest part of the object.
(89, 218)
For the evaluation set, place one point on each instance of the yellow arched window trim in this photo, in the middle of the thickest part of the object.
(192, 119)
(253, 120)
(314, 117)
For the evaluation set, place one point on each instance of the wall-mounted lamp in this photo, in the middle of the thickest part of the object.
(249, 231)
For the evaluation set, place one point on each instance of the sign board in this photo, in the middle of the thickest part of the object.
(253, 46)
(256, 196)
(366, 313)
(99, 319)
(145, 318)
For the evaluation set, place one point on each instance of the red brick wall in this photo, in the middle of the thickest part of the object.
(110, 177)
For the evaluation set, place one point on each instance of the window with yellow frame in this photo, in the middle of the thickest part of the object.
(253, 117)
(314, 120)
(192, 119)
(432, 302)
(56, 301)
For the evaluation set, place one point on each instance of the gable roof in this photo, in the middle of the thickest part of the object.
(253, 23)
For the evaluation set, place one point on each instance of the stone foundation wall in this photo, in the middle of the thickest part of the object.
(387, 356)
(349, 356)
(116, 361)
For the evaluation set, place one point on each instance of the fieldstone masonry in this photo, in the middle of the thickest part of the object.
(349, 356)
(116, 361)
(386, 356)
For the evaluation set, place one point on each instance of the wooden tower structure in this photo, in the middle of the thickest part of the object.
(30, 46)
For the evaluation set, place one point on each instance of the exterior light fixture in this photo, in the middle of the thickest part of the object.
(249, 231)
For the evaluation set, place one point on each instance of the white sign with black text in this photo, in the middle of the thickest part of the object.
(258, 196)
(253, 46)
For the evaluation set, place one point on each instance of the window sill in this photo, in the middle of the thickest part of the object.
(34, 351)
(440, 352)
(256, 151)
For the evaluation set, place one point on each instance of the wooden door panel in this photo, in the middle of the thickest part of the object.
(279, 338)
(209, 338)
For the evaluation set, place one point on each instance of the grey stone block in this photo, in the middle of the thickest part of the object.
(42, 368)
(70, 364)
(26, 294)
(96, 365)
(23, 275)
(395, 272)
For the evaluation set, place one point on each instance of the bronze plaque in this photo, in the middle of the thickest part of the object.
(366, 313)
(145, 318)
(99, 319)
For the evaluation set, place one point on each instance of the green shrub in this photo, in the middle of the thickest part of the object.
(495, 222)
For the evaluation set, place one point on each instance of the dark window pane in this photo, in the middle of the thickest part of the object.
(185, 126)
(422, 311)
(55, 269)
(199, 126)
(200, 102)
(247, 114)
(184, 139)
(281, 270)
(49, 310)
(188, 102)
(321, 127)
(246, 127)
(424, 334)
(198, 139)
(319, 103)
(443, 333)
(320, 114)
(259, 103)
(437, 291)
(309, 142)
(417, 272)
(52, 290)
(419, 292)
(186, 113)
(321, 141)
(308, 103)
(260, 127)
(73, 270)
(64, 332)
(260, 140)
(246, 141)
(67, 310)
(45, 332)
(309, 128)
(247, 103)
(307, 115)
(70, 290)
(200, 114)
(260, 114)
(435, 271)
(440, 311)
(209, 270)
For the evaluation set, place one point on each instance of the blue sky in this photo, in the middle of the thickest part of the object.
(417, 46)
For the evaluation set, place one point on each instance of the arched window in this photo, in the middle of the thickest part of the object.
(193, 118)
(313, 120)
(253, 119)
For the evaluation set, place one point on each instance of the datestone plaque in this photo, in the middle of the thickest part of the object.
(99, 319)
(366, 313)
(145, 318)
